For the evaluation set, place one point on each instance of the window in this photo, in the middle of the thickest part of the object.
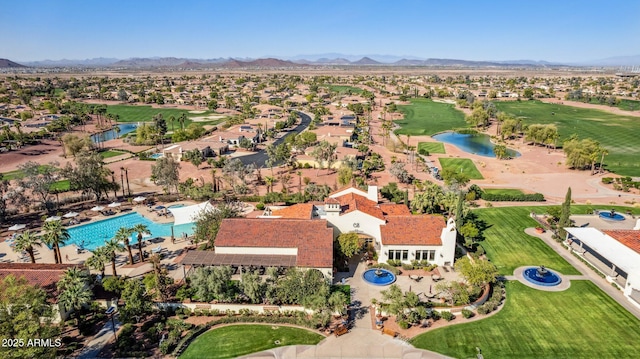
(427, 255)
(399, 254)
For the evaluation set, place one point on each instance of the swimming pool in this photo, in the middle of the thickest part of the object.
(156, 155)
(93, 235)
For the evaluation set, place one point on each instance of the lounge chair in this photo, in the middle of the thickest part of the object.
(157, 249)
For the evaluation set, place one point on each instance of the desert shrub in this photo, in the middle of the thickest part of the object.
(260, 206)
(483, 309)
(407, 266)
(393, 270)
(466, 313)
(607, 180)
(448, 316)
(394, 262)
(435, 315)
(403, 324)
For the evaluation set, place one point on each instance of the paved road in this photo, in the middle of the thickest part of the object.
(260, 158)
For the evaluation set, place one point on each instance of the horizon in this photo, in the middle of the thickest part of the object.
(558, 33)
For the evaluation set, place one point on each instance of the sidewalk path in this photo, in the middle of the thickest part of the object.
(104, 336)
(587, 272)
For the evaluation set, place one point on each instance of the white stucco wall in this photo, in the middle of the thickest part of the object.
(355, 222)
(445, 253)
(257, 250)
(633, 282)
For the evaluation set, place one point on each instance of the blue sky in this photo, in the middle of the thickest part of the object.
(561, 30)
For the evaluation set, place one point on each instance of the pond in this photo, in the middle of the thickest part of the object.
(476, 143)
(112, 134)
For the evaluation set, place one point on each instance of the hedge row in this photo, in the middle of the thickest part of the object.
(496, 197)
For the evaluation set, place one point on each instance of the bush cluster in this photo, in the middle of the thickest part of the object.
(393, 270)
(466, 313)
(446, 315)
(494, 302)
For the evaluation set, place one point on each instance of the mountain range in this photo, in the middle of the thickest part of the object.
(328, 59)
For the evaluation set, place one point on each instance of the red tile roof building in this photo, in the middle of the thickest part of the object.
(628, 237)
(45, 276)
(310, 240)
(413, 230)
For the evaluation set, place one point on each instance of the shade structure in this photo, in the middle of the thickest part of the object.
(71, 214)
(114, 204)
(53, 218)
(17, 227)
(139, 199)
(189, 214)
(97, 208)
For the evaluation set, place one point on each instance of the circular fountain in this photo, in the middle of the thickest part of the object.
(541, 276)
(611, 215)
(379, 276)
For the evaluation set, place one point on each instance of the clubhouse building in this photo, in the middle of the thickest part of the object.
(302, 235)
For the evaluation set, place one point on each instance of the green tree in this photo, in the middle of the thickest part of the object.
(469, 232)
(90, 175)
(457, 292)
(137, 302)
(111, 247)
(345, 175)
(75, 144)
(98, 259)
(26, 241)
(565, 220)
(478, 272)
(428, 201)
(194, 156)
(211, 283)
(123, 235)
(478, 117)
(24, 315)
(74, 290)
(208, 222)
(324, 153)
(165, 173)
(141, 229)
(39, 179)
(55, 234)
(500, 151)
(451, 176)
(349, 244)
(252, 286)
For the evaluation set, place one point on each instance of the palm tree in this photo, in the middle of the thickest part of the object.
(299, 173)
(25, 241)
(122, 235)
(172, 119)
(98, 259)
(182, 119)
(141, 228)
(269, 180)
(111, 247)
(74, 290)
(55, 235)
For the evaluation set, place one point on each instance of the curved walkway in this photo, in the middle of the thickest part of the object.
(587, 272)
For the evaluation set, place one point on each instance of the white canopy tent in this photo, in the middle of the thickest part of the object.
(188, 214)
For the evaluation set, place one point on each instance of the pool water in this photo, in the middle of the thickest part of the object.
(477, 143)
(156, 155)
(93, 235)
(383, 277)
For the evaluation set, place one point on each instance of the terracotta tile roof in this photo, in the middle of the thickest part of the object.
(313, 238)
(45, 276)
(331, 200)
(392, 209)
(628, 237)
(413, 230)
(299, 211)
(354, 202)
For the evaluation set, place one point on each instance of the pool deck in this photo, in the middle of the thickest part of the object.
(171, 251)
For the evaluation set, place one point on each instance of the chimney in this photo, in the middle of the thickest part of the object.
(372, 193)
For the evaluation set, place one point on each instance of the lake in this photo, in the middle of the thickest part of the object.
(477, 143)
(112, 134)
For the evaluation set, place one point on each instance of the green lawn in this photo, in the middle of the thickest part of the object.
(344, 89)
(461, 164)
(108, 154)
(129, 113)
(431, 147)
(509, 247)
(61, 186)
(12, 175)
(618, 134)
(581, 322)
(236, 340)
(504, 191)
(425, 117)
(629, 105)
